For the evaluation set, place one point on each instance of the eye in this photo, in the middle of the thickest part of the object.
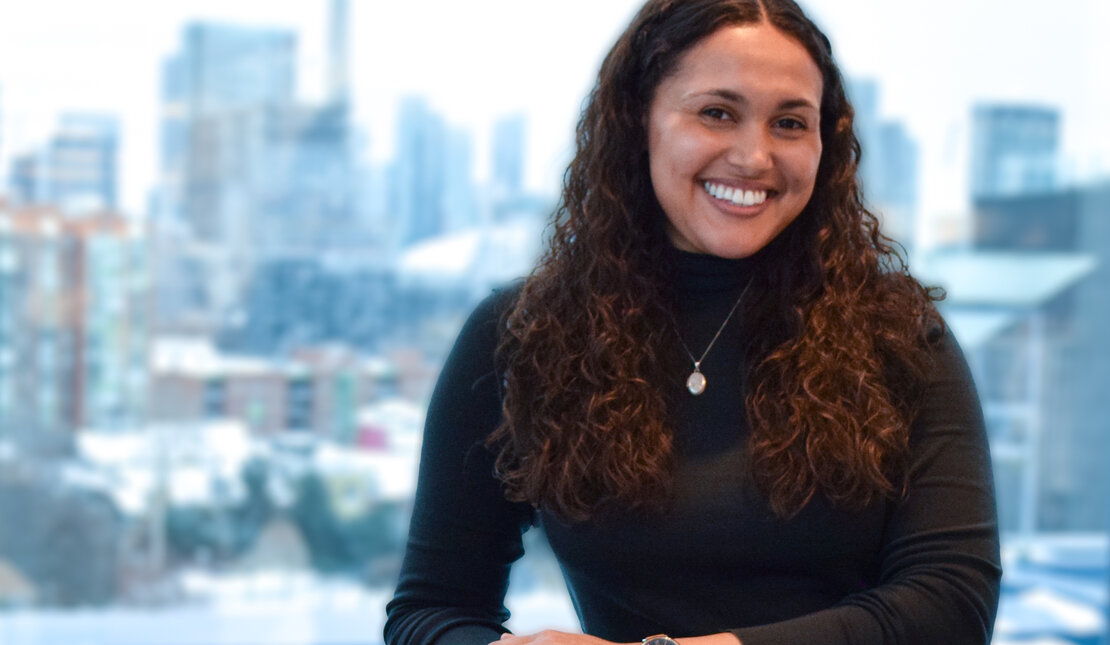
(790, 123)
(716, 114)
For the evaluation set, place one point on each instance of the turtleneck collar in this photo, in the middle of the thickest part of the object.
(695, 272)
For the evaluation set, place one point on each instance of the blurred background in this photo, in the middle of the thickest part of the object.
(237, 239)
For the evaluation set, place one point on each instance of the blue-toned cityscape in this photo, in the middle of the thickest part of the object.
(211, 411)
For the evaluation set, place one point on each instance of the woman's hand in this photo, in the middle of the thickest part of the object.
(552, 637)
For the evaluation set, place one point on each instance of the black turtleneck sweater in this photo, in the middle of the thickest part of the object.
(922, 569)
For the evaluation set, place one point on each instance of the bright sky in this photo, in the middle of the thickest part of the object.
(479, 59)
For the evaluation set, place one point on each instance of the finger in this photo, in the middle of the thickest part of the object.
(506, 637)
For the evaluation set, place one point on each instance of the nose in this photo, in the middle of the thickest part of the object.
(750, 149)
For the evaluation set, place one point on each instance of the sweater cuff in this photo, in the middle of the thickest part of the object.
(468, 635)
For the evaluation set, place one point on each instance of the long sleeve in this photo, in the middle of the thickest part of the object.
(939, 563)
(464, 534)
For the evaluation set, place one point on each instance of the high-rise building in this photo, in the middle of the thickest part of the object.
(77, 170)
(338, 52)
(214, 90)
(73, 327)
(507, 156)
(419, 172)
(460, 204)
(1014, 150)
(3, 175)
(889, 169)
(1003, 306)
(1018, 205)
(431, 182)
(248, 171)
(1074, 488)
(898, 176)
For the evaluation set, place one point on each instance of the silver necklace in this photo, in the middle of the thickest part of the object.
(695, 383)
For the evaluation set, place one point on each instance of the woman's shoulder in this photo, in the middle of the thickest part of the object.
(481, 332)
(491, 311)
(500, 299)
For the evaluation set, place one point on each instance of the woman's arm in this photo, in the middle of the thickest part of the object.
(940, 565)
(464, 535)
(551, 637)
(938, 570)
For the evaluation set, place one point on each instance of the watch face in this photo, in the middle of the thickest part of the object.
(659, 640)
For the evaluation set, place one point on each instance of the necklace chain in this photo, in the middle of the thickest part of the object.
(696, 382)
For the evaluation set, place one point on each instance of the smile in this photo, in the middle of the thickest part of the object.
(737, 196)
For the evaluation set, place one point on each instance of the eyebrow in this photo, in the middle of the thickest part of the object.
(736, 97)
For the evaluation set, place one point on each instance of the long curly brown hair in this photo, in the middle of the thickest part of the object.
(842, 329)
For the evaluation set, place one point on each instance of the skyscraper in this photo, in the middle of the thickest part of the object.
(250, 172)
(214, 92)
(76, 170)
(889, 168)
(1074, 491)
(1013, 150)
(3, 176)
(419, 172)
(72, 328)
(507, 152)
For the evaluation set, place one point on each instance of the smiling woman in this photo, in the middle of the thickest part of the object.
(803, 496)
(675, 388)
(734, 140)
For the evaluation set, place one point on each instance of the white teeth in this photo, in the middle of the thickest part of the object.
(736, 195)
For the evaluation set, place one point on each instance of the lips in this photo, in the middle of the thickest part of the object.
(736, 195)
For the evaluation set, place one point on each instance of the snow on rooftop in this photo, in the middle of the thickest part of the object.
(400, 419)
(199, 357)
(1042, 610)
(1004, 279)
(201, 463)
(490, 255)
(974, 328)
(447, 255)
(388, 476)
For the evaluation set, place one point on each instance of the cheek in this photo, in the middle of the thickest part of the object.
(803, 168)
(675, 153)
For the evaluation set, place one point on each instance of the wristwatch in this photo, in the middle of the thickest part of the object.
(659, 639)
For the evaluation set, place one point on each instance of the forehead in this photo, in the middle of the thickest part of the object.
(746, 59)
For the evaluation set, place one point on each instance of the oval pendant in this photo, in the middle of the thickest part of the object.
(695, 383)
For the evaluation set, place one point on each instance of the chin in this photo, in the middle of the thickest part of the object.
(735, 250)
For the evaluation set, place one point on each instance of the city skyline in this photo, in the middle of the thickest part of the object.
(305, 293)
(473, 83)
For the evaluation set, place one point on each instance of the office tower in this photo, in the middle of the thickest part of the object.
(214, 92)
(432, 183)
(1014, 150)
(3, 176)
(73, 326)
(1074, 492)
(460, 205)
(898, 176)
(864, 95)
(889, 167)
(1019, 206)
(508, 152)
(76, 170)
(338, 52)
(248, 171)
(419, 172)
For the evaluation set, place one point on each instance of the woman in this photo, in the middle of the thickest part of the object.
(733, 412)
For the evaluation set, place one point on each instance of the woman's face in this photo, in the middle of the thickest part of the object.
(734, 140)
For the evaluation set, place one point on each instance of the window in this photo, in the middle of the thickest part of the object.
(200, 199)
